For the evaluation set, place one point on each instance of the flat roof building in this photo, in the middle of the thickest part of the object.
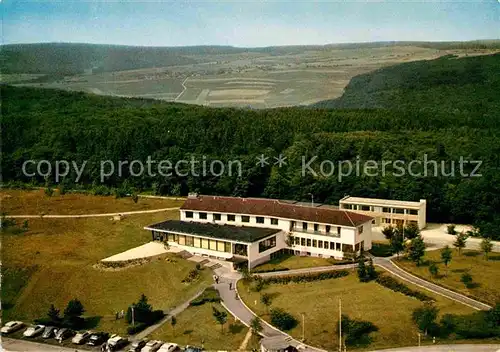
(387, 211)
(256, 229)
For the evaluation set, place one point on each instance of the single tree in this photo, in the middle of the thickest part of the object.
(53, 314)
(361, 270)
(466, 279)
(256, 325)
(460, 242)
(49, 191)
(411, 231)
(433, 269)
(446, 255)
(397, 243)
(72, 314)
(388, 232)
(266, 300)
(135, 197)
(371, 273)
(425, 317)
(416, 250)
(220, 317)
(486, 247)
(173, 322)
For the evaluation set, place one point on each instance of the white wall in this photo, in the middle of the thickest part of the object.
(256, 258)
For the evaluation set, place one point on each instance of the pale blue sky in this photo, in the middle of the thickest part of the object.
(250, 24)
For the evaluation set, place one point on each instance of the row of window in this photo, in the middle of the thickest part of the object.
(384, 210)
(184, 240)
(230, 217)
(333, 246)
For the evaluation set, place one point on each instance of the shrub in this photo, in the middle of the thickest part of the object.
(285, 279)
(134, 329)
(283, 320)
(466, 278)
(192, 276)
(396, 286)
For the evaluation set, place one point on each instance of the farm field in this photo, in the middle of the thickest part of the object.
(54, 261)
(36, 202)
(485, 273)
(197, 326)
(319, 301)
(256, 79)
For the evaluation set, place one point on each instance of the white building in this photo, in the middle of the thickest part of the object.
(387, 211)
(254, 230)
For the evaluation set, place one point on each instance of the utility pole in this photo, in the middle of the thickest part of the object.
(340, 324)
(418, 339)
(133, 321)
(312, 199)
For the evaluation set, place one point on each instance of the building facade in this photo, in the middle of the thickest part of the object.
(255, 229)
(387, 212)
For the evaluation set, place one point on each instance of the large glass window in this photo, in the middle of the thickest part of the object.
(217, 217)
(203, 216)
(189, 241)
(189, 214)
(231, 217)
(386, 210)
(245, 218)
(227, 247)
(413, 211)
(182, 240)
(220, 246)
(260, 220)
(213, 245)
(274, 221)
(267, 244)
(365, 207)
(399, 211)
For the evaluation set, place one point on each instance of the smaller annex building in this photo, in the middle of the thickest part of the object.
(387, 211)
(254, 230)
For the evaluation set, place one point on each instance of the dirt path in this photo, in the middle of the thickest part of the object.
(93, 215)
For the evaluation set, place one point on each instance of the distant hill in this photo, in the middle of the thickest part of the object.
(66, 58)
(445, 85)
(74, 58)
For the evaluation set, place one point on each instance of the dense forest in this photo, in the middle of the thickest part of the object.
(442, 109)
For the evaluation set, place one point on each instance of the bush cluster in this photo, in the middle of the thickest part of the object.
(396, 286)
(285, 279)
(283, 320)
(134, 329)
(192, 276)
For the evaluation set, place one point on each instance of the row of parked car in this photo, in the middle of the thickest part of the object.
(91, 338)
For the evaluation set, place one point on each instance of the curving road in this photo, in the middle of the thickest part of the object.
(55, 216)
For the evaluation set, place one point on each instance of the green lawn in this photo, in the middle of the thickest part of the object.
(196, 325)
(54, 261)
(319, 301)
(485, 273)
(294, 262)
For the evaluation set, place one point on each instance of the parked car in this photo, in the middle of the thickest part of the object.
(193, 349)
(137, 345)
(97, 338)
(48, 332)
(33, 331)
(169, 347)
(81, 337)
(152, 346)
(11, 326)
(116, 342)
(63, 334)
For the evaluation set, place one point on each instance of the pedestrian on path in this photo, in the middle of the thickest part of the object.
(230, 285)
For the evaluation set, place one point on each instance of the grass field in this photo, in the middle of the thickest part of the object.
(21, 202)
(53, 262)
(293, 262)
(196, 326)
(485, 273)
(319, 301)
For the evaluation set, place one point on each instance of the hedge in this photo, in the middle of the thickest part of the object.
(269, 270)
(396, 286)
(285, 279)
(209, 295)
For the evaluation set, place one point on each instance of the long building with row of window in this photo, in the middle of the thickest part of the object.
(254, 230)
